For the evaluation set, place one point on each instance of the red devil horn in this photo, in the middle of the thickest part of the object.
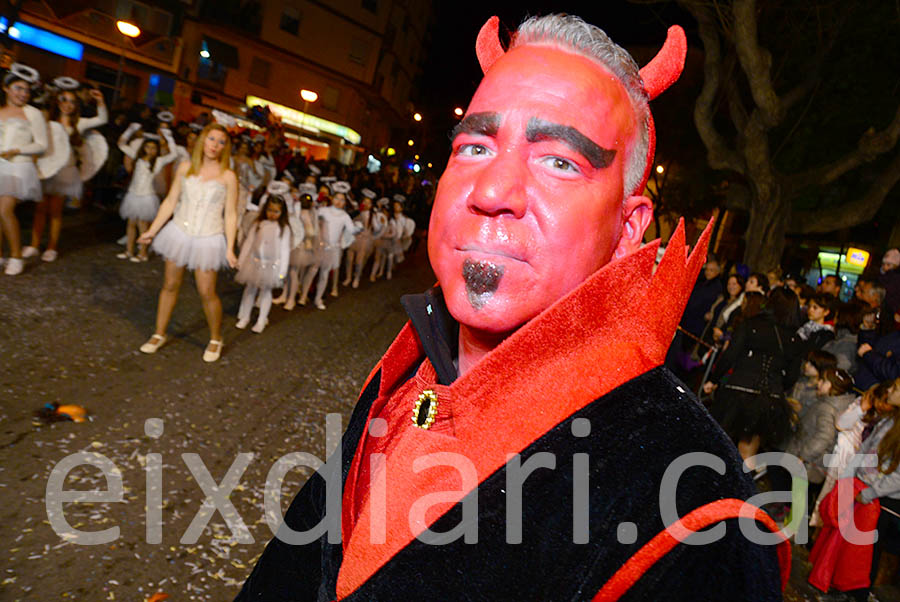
(663, 70)
(487, 46)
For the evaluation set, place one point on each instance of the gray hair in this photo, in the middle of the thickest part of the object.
(573, 33)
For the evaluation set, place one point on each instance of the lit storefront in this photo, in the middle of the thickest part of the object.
(338, 135)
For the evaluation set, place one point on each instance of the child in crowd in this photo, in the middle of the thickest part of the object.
(805, 390)
(141, 203)
(819, 328)
(817, 430)
(265, 256)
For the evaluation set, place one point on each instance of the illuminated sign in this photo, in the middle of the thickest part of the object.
(33, 36)
(305, 121)
(857, 257)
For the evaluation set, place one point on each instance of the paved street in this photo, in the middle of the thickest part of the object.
(71, 335)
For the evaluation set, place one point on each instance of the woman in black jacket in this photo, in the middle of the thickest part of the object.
(764, 360)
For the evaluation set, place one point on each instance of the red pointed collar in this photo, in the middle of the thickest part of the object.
(614, 327)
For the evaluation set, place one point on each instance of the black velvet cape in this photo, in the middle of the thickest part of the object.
(637, 430)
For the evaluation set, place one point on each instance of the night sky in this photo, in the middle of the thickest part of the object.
(451, 71)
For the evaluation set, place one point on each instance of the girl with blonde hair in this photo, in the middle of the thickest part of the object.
(202, 207)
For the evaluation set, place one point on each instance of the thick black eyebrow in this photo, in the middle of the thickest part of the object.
(538, 129)
(486, 124)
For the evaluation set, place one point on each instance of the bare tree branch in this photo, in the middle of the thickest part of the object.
(850, 214)
(719, 155)
(870, 146)
(756, 62)
(736, 108)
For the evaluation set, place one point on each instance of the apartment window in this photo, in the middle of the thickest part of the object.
(290, 20)
(216, 57)
(359, 51)
(371, 6)
(330, 98)
(259, 72)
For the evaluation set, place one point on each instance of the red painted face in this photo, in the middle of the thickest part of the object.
(531, 202)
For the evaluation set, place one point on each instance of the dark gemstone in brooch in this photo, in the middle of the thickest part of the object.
(425, 409)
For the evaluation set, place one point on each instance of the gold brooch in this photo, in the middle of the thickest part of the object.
(425, 409)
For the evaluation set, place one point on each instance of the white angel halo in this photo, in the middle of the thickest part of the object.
(64, 82)
(277, 187)
(341, 186)
(26, 73)
(223, 119)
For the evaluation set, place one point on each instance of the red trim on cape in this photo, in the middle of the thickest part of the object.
(615, 326)
(698, 519)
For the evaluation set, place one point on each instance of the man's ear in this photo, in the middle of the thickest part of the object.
(637, 211)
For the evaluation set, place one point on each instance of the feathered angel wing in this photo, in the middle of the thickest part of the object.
(94, 152)
(57, 154)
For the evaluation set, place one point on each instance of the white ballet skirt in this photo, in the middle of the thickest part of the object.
(19, 176)
(139, 206)
(19, 179)
(195, 236)
(265, 256)
(66, 183)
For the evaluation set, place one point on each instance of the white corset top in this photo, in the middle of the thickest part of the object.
(201, 207)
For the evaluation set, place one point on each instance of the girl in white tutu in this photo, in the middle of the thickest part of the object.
(384, 244)
(65, 110)
(336, 230)
(202, 205)
(265, 256)
(370, 224)
(23, 135)
(306, 255)
(404, 228)
(141, 202)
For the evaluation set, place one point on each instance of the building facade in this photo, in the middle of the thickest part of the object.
(360, 57)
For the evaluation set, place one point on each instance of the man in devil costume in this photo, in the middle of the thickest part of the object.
(520, 440)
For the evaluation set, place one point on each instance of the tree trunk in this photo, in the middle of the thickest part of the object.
(769, 220)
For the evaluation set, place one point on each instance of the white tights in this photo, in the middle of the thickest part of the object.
(265, 303)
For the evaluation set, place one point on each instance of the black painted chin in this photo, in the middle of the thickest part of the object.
(482, 279)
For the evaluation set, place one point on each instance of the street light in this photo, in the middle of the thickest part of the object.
(410, 142)
(308, 96)
(417, 117)
(660, 169)
(458, 111)
(129, 30)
